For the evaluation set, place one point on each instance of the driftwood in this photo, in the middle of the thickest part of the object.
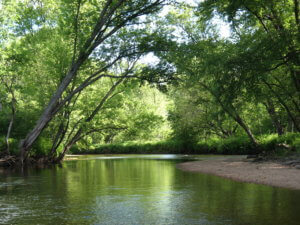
(283, 145)
(8, 161)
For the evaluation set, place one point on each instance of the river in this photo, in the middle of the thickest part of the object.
(138, 189)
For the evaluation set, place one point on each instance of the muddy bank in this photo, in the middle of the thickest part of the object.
(241, 169)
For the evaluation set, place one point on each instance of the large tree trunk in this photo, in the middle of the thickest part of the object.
(295, 76)
(8, 134)
(110, 14)
(241, 122)
(59, 137)
(69, 145)
(285, 106)
(13, 114)
(231, 111)
(274, 117)
(47, 115)
(234, 115)
(79, 132)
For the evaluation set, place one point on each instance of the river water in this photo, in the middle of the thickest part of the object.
(138, 189)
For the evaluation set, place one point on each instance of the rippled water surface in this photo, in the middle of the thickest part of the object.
(144, 189)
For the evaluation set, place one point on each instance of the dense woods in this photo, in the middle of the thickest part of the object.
(113, 76)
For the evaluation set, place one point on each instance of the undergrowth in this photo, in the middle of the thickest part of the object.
(241, 145)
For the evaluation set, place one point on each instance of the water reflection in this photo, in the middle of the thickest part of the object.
(138, 190)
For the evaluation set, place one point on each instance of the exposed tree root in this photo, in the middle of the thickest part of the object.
(13, 161)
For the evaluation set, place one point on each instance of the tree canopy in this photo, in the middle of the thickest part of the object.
(75, 74)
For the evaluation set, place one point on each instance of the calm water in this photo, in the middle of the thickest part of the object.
(138, 190)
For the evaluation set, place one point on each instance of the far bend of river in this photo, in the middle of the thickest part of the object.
(138, 189)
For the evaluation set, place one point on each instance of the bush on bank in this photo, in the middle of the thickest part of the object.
(268, 144)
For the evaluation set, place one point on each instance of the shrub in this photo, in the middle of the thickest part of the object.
(271, 144)
(296, 144)
(41, 147)
(2, 143)
(230, 146)
(13, 145)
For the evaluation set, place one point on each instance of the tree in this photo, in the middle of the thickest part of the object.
(112, 16)
(225, 68)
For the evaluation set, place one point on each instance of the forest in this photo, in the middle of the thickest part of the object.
(148, 76)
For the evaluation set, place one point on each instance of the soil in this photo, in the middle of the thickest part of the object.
(284, 174)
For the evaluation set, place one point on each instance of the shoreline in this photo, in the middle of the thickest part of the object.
(244, 170)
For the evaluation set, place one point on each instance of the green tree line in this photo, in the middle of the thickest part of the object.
(73, 73)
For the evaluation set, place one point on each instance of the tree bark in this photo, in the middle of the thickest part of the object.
(47, 115)
(274, 117)
(10, 89)
(230, 110)
(241, 122)
(69, 145)
(295, 76)
(59, 136)
(78, 134)
(99, 34)
(63, 128)
(8, 133)
(284, 105)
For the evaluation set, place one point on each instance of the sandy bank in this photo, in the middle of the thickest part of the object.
(240, 169)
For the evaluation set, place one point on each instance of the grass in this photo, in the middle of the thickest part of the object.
(241, 145)
(165, 147)
(271, 144)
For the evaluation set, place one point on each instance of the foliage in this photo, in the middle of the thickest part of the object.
(60, 63)
(230, 146)
(164, 147)
(74, 75)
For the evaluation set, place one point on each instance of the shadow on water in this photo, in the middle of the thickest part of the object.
(144, 189)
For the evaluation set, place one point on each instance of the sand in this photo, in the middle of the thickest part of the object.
(241, 169)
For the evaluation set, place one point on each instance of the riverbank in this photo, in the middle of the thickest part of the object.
(268, 145)
(239, 168)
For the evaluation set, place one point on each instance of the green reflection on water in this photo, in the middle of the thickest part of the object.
(138, 190)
